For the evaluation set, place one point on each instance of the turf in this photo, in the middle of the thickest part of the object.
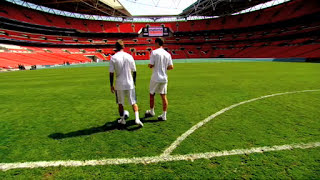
(61, 114)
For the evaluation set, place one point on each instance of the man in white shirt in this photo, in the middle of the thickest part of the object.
(160, 62)
(122, 64)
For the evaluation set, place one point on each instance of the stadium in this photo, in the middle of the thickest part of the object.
(244, 94)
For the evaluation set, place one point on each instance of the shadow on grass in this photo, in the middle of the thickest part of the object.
(109, 126)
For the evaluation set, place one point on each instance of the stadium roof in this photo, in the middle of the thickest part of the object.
(147, 10)
(93, 7)
(219, 7)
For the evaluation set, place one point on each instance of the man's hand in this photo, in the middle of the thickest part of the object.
(170, 67)
(112, 89)
(150, 66)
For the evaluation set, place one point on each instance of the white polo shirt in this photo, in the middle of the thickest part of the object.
(122, 64)
(161, 59)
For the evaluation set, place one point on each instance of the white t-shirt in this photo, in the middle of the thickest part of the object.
(122, 64)
(161, 59)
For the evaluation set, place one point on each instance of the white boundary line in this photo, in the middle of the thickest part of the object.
(165, 156)
(155, 159)
(175, 144)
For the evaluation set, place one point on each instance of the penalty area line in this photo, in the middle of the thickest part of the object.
(155, 159)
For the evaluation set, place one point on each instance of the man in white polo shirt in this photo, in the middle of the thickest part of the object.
(160, 62)
(122, 64)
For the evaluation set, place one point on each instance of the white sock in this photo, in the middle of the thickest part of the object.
(152, 110)
(136, 114)
(164, 114)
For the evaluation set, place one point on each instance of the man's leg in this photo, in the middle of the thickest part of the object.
(152, 103)
(164, 107)
(136, 110)
(153, 87)
(133, 101)
(164, 102)
(150, 113)
(163, 94)
(135, 107)
(120, 108)
(121, 113)
(136, 113)
(120, 102)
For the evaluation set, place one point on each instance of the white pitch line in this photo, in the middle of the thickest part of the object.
(176, 143)
(155, 159)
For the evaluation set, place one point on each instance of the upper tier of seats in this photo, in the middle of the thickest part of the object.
(299, 28)
(289, 10)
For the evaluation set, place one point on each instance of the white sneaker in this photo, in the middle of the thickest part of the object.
(122, 121)
(149, 113)
(138, 122)
(162, 118)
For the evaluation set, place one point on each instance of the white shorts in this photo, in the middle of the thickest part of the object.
(129, 94)
(158, 87)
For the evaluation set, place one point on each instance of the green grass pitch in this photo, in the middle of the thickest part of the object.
(69, 114)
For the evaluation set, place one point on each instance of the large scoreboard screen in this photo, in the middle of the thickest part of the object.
(155, 31)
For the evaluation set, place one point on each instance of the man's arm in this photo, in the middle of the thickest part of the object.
(151, 65)
(133, 70)
(134, 76)
(170, 63)
(111, 75)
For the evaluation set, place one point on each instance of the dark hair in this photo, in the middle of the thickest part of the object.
(160, 41)
(119, 45)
